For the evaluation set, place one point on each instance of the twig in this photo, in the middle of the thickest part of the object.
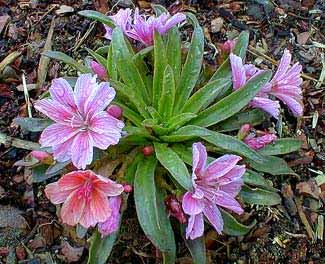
(29, 109)
(257, 53)
(46, 13)
(84, 37)
(18, 143)
(304, 219)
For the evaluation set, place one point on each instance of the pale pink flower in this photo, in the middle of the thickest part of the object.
(112, 223)
(214, 185)
(143, 27)
(285, 84)
(81, 122)
(258, 142)
(241, 74)
(84, 195)
(122, 19)
(99, 70)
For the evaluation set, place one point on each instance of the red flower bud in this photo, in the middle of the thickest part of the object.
(147, 150)
(174, 209)
(42, 156)
(99, 70)
(244, 131)
(115, 111)
(127, 188)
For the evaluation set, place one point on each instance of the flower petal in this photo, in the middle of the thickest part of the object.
(55, 194)
(73, 209)
(104, 123)
(73, 180)
(56, 134)
(107, 186)
(99, 99)
(62, 152)
(195, 227)
(283, 66)
(220, 166)
(295, 105)
(213, 214)
(199, 157)
(267, 105)
(191, 205)
(232, 182)
(82, 150)
(62, 92)
(225, 200)
(237, 71)
(54, 110)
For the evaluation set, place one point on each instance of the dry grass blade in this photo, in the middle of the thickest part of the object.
(26, 94)
(44, 61)
(9, 59)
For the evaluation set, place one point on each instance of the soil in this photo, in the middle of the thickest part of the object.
(283, 234)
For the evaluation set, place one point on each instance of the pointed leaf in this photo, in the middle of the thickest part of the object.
(281, 146)
(167, 97)
(151, 211)
(33, 124)
(134, 117)
(98, 17)
(259, 196)
(60, 56)
(192, 67)
(173, 163)
(232, 227)
(174, 52)
(99, 58)
(255, 179)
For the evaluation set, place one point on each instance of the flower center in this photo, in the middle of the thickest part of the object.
(85, 192)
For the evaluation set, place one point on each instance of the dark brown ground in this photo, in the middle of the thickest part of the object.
(280, 235)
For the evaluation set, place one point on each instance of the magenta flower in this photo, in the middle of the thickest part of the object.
(285, 84)
(121, 19)
(84, 195)
(214, 185)
(112, 223)
(99, 70)
(241, 74)
(81, 122)
(259, 142)
(143, 28)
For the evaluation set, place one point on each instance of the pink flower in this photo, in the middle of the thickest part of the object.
(112, 223)
(214, 185)
(228, 46)
(260, 141)
(99, 70)
(241, 74)
(84, 195)
(285, 84)
(81, 122)
(121, 19)
(143, 28)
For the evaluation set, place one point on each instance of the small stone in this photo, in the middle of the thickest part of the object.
(64, 9)
(216, 24)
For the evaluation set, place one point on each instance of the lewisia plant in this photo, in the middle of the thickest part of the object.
(144, 119)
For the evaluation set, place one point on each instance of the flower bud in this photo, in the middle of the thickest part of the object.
(257, 143)
(127, 188)
(99, 70)
(244, 131)
(147, 150)
(42, 156)
(115, 111)
(228, 46)
(174, 209)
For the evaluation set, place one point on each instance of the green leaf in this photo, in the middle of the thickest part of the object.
(270, 164)
(98, 17)
(160, 63)
(233, 103)
(33, 124)
(103, 50)
(100, 248)
(167, 97)
(111, 65)
(99, 58)
(232, 227)
(281, 146)
(206, 95)
(255, 179)
(126, 66)
(196, 248)
(259, 196)
(154, 114)
(192, 67)
(253, 117)
(151, 211)
(133, 98)
(132, 168)
(60, 56)
(174, 52)
(174, 164)
(43, 172)
(159, 9)
(180, 120)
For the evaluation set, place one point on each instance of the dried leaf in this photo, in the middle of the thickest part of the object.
(72, 254)
(309, 188)
(11, 217)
